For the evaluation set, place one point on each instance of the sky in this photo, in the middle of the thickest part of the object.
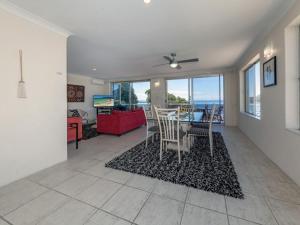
(204, 88)
(140, 88)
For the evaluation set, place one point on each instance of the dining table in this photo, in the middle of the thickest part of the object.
(185, 121)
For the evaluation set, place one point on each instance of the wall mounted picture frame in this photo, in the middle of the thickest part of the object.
(75, 93)
(270, 72)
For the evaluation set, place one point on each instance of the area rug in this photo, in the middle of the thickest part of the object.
(197, 168)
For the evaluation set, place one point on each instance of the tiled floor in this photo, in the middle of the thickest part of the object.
(82, 191)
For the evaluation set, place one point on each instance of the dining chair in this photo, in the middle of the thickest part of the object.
(203, 132)
(169, 129)
(152, 127)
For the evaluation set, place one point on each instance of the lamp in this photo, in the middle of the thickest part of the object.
(269, 51)
(21, 84)
(156, 84)
(174, 64)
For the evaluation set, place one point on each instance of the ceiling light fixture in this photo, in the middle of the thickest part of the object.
(94, 68)
(174, 64)
(147, 1)
(156, 84)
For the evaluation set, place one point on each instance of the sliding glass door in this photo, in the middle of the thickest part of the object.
(202, 92)
(207, 91)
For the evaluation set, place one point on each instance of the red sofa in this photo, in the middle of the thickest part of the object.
(72, 130)
(120, 122)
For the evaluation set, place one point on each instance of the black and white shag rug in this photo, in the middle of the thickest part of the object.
(197, 169)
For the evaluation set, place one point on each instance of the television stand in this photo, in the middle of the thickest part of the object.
(106, 110)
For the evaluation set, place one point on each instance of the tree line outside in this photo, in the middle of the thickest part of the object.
(128, 92)
(171, 98)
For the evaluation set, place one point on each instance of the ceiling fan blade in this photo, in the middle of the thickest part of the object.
(179, 67)
(168, 58)
(160, 65)
(189, 60)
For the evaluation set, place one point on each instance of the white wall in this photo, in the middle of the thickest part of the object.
(90, 90)
(231, 98)
(33, 130)
(270, 133)
(158, 93)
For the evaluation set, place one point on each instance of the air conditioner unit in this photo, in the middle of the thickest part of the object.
(98, 82)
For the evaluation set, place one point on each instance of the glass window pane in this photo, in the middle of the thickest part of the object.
(252, 90)
(131, 93)
(208, 91)
(125, 93)
(178, 91)
(140, 95)
(116, 88)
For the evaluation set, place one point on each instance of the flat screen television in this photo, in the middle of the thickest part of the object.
(103, 101)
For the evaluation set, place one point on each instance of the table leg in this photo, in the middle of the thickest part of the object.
(76, 136)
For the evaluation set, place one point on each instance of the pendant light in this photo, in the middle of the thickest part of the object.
(21, 84)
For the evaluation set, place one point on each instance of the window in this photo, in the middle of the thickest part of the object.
(131, 94)
(252, 90)
(178, 92)
(208, 91)
(202, 92)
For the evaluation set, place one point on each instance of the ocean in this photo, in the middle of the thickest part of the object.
(200, 104)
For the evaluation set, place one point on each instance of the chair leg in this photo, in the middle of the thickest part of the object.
(179, 157)
(146, 141)
(211, 144)
(160, 151)
(153, 138)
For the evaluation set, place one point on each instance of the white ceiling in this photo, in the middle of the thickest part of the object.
(125, 38)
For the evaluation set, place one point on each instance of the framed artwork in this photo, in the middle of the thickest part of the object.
(75, 93)
(270, 73)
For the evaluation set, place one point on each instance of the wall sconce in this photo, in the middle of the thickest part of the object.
(156, 84)
(21, 84)
(268, 51)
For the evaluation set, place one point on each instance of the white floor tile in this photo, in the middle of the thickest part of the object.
(282, 191)
(104, 156)
(76, 185)
(99, 170)
(207, 200)
(118, 176)
(194, 215)
(238, 221)
(126, 203)
(35, 210)
(170, 190)
(72, 213)
(142, 182)
(285, 213)
(80, 164)
(103, 218)
(99, 192)
(2, 222)
(160, 210)
(251, 208)
(17, 194)
(53, 176)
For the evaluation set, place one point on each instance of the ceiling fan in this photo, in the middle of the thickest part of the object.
(173, 63)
